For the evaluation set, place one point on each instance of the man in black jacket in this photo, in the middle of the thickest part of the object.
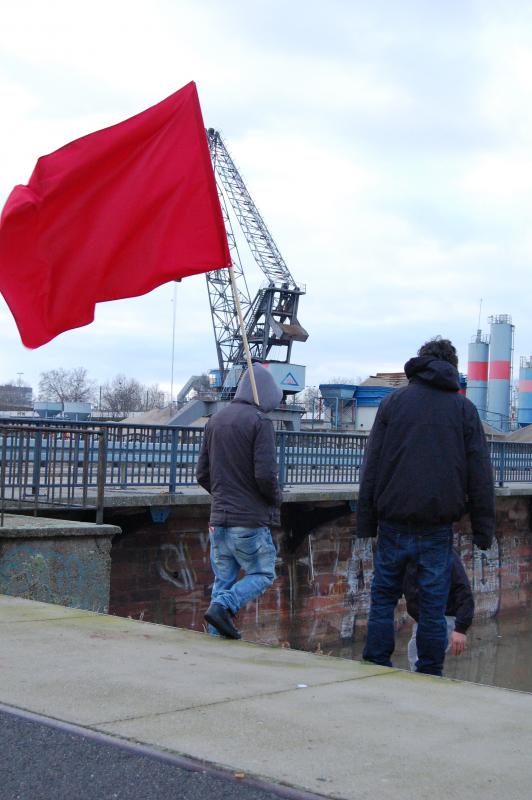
(238, 467)
(426, 464)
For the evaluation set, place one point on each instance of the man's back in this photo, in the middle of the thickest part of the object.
(237, 463)
(426, 461)
(238, 466)
(427, 454)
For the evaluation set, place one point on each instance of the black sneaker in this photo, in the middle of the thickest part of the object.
(220, 618)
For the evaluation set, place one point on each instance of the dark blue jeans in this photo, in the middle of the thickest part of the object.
(431, 552)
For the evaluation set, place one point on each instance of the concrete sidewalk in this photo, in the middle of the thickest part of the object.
(327, 725)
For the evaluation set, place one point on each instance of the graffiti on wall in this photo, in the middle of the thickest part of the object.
(173, 565)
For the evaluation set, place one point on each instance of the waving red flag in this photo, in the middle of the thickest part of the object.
(111, 215)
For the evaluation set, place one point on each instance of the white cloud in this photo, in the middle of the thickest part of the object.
(338, 119)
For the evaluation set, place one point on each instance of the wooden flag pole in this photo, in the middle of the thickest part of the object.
(244, 336)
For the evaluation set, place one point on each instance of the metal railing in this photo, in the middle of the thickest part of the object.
(512, 462)
(56, 463)
(53, 467)
(317, 458)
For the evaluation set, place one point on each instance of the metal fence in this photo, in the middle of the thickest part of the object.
(52, 466)
(59, 463)
(311, 458)
(512, 462)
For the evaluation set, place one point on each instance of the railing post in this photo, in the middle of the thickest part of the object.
(102, 470)
(36, 478)
(502, 463)
(282, 458)
(74, 457)
(3, 477)
(173, 462)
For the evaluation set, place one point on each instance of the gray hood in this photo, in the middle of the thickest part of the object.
(270, 395)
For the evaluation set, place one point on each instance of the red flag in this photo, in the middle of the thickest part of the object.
(111, 215)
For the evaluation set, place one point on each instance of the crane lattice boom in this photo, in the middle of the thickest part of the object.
(271, 318)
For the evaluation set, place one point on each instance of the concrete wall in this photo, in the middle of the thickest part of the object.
(55, 561)
(161, 573)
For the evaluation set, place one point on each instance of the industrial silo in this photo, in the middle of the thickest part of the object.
(500, 371)
(524, 414)
(477, 372)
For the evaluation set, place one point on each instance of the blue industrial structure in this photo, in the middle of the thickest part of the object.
(524, 414)
(353, 406)
(74, 411)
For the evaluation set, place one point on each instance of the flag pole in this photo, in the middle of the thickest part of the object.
(244, 336)
(173, 346)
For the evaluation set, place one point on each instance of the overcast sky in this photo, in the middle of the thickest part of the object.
(387, 145)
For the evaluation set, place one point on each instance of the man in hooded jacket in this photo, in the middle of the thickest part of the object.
(425, 465)
(238, 467)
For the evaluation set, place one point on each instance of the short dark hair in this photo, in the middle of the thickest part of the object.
(442, 349)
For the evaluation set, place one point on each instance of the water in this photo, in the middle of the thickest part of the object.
(499, 653)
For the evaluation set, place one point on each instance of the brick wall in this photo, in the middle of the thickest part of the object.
(161, 572)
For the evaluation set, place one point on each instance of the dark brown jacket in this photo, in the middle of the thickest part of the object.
(237, 463)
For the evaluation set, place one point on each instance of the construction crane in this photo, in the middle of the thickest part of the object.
(271, 318)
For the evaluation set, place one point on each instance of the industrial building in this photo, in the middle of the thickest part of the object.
(352, 407)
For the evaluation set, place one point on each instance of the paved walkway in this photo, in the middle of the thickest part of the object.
(325, 725)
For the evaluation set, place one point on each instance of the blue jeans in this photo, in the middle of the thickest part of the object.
(431, 551)
(234, 549)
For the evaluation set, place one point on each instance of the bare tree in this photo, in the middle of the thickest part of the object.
(347, 381)
(154, 397)
(66, 385)
(123, 394)
(308, 398)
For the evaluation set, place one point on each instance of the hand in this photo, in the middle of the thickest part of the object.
(482, 540)
(458, 643)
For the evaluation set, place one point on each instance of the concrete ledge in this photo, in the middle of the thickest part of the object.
(55, 561)
(17, 526)
(195, 495)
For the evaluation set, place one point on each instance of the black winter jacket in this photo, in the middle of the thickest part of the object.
(427, 461)
(238, 463)
(460, 603)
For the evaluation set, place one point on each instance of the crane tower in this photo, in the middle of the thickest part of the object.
(271, 318)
